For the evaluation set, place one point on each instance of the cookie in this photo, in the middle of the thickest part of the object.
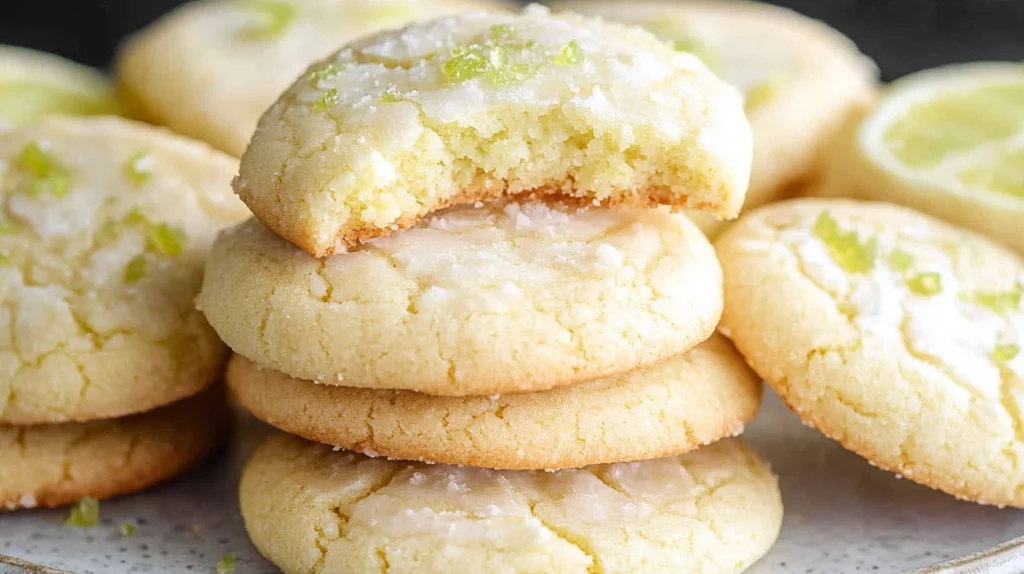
(104, 230)
(57, 464)
(478, 105)
(800, 77)
(308, 508)
(36, 84)
(670, 408)
(891, 332)
(472, 301)
(244, 54)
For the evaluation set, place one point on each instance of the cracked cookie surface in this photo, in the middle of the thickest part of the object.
(891, 332)
(473, 301)
(104, 229)
(480, 105)
(669, 408)
(310, 509)
(57, 464)
(799, 76)
(244, 53)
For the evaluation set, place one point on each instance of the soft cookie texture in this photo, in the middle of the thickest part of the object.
(670, 408)
(104, 230)
(800, 78)
(473, 301)
(310, 509)
(53, 465)
(35, 84)
(891, 332)
(477, 105)
(244, 54)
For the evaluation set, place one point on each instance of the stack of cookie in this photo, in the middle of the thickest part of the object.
(105, 365)
(405, 293)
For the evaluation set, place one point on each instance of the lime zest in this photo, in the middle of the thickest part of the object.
(5, 259)
(391, 95)
(328, 71)
(677, 32)
(135, 270)
(274, 17)
(1005, 352)
(844, 247)
(84, 514)
(925, 284)
(8, 227)
(136, 169)
(127, 530)
(226, 565)
(761, 94)
(900, 260)
(571, 55)
(165, 239)
(328, 100)
(46, 173)
(999, 301)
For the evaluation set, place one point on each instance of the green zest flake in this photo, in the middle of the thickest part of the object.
(164, 239)
(85, 513)
(46, 172)
(925, 284)
(844, 247)
(326, 101)
(328, 71)
(127, 530)
(999, 301)
(226, 564)
(391, 95)
(571, 55)
(135, 169)
(8, 228)
(274, 18)
(1005, 352)
(676, 31)
(135, 270)
(901, 260)
(760, 94)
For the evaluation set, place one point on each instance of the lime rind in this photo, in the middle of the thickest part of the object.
(845, 247)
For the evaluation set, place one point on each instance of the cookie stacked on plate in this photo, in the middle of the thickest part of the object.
(105, 365)
(464, 267)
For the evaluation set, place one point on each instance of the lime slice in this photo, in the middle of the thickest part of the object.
(948, 142)
(35, 84)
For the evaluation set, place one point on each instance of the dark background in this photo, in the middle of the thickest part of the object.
(901, 35)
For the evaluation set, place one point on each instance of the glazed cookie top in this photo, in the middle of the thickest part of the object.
(949, 298)
(461, 108)
(104, 230)
(474, 300)
(35, 84)
(244, 53)
(715, 509)
(762, 49)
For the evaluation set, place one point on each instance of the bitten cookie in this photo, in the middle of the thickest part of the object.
(307, 508)
(800, 77)
(57, 464)
(244, 54)
(670, 408)
(36, 84)
(472, 301)
(104, 230)
(477, 105)
(891, 332)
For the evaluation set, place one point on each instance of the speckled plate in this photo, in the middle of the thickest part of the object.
(842, 515)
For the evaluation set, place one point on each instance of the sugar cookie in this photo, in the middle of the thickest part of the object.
(477, 105)
(36, 84)
(57, 464)
(472, 301)
(104, 230)
(800, 77)
(891, 332)
(715, 510)
(244, 54)
(670, 408)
